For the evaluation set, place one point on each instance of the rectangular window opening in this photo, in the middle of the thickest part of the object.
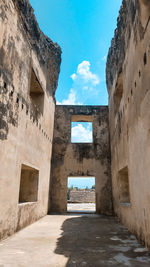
(36, 95)
(124, 186)
(81, 132)
(81, 195)
(118, 92)
(28, 184)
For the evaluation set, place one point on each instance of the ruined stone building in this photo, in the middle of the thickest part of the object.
(128, 83)
(82, 196)
(29, 68)
(36, 153)
(87, 159)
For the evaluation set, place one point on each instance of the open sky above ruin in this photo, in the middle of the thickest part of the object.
(83, 29)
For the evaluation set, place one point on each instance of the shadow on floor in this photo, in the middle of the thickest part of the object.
(95, 241)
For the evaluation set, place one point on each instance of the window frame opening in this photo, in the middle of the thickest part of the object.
(29, 184)
(75, 204)
(118, 93)
(124, 187)
(81, 120)
(36, 94)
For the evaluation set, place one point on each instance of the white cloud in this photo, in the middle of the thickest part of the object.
(84, 74)
(104, 58)
(73, 76)
(71, 100)
(84, 82)
(81, 133)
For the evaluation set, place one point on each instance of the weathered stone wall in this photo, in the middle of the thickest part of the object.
(26, 124)
(128, 81)
(73, 159)
(83, 196)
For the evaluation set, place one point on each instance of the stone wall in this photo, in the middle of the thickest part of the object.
(83, 196)
(29, 69)
(81, 159)
(128, 80)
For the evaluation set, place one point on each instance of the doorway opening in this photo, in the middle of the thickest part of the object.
(81, 195)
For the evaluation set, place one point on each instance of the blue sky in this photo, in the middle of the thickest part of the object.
(81, 182)
(83, 29)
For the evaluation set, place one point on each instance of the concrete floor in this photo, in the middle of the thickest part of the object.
(73, 240)
(81, 207)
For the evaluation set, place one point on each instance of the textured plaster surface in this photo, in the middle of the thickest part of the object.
(81, 159)
(25, 133)
(129, 56)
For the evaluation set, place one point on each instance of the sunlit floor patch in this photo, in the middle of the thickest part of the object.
(81, 207)
(73, 240)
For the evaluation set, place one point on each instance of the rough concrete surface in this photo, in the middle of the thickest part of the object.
(63, 241)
